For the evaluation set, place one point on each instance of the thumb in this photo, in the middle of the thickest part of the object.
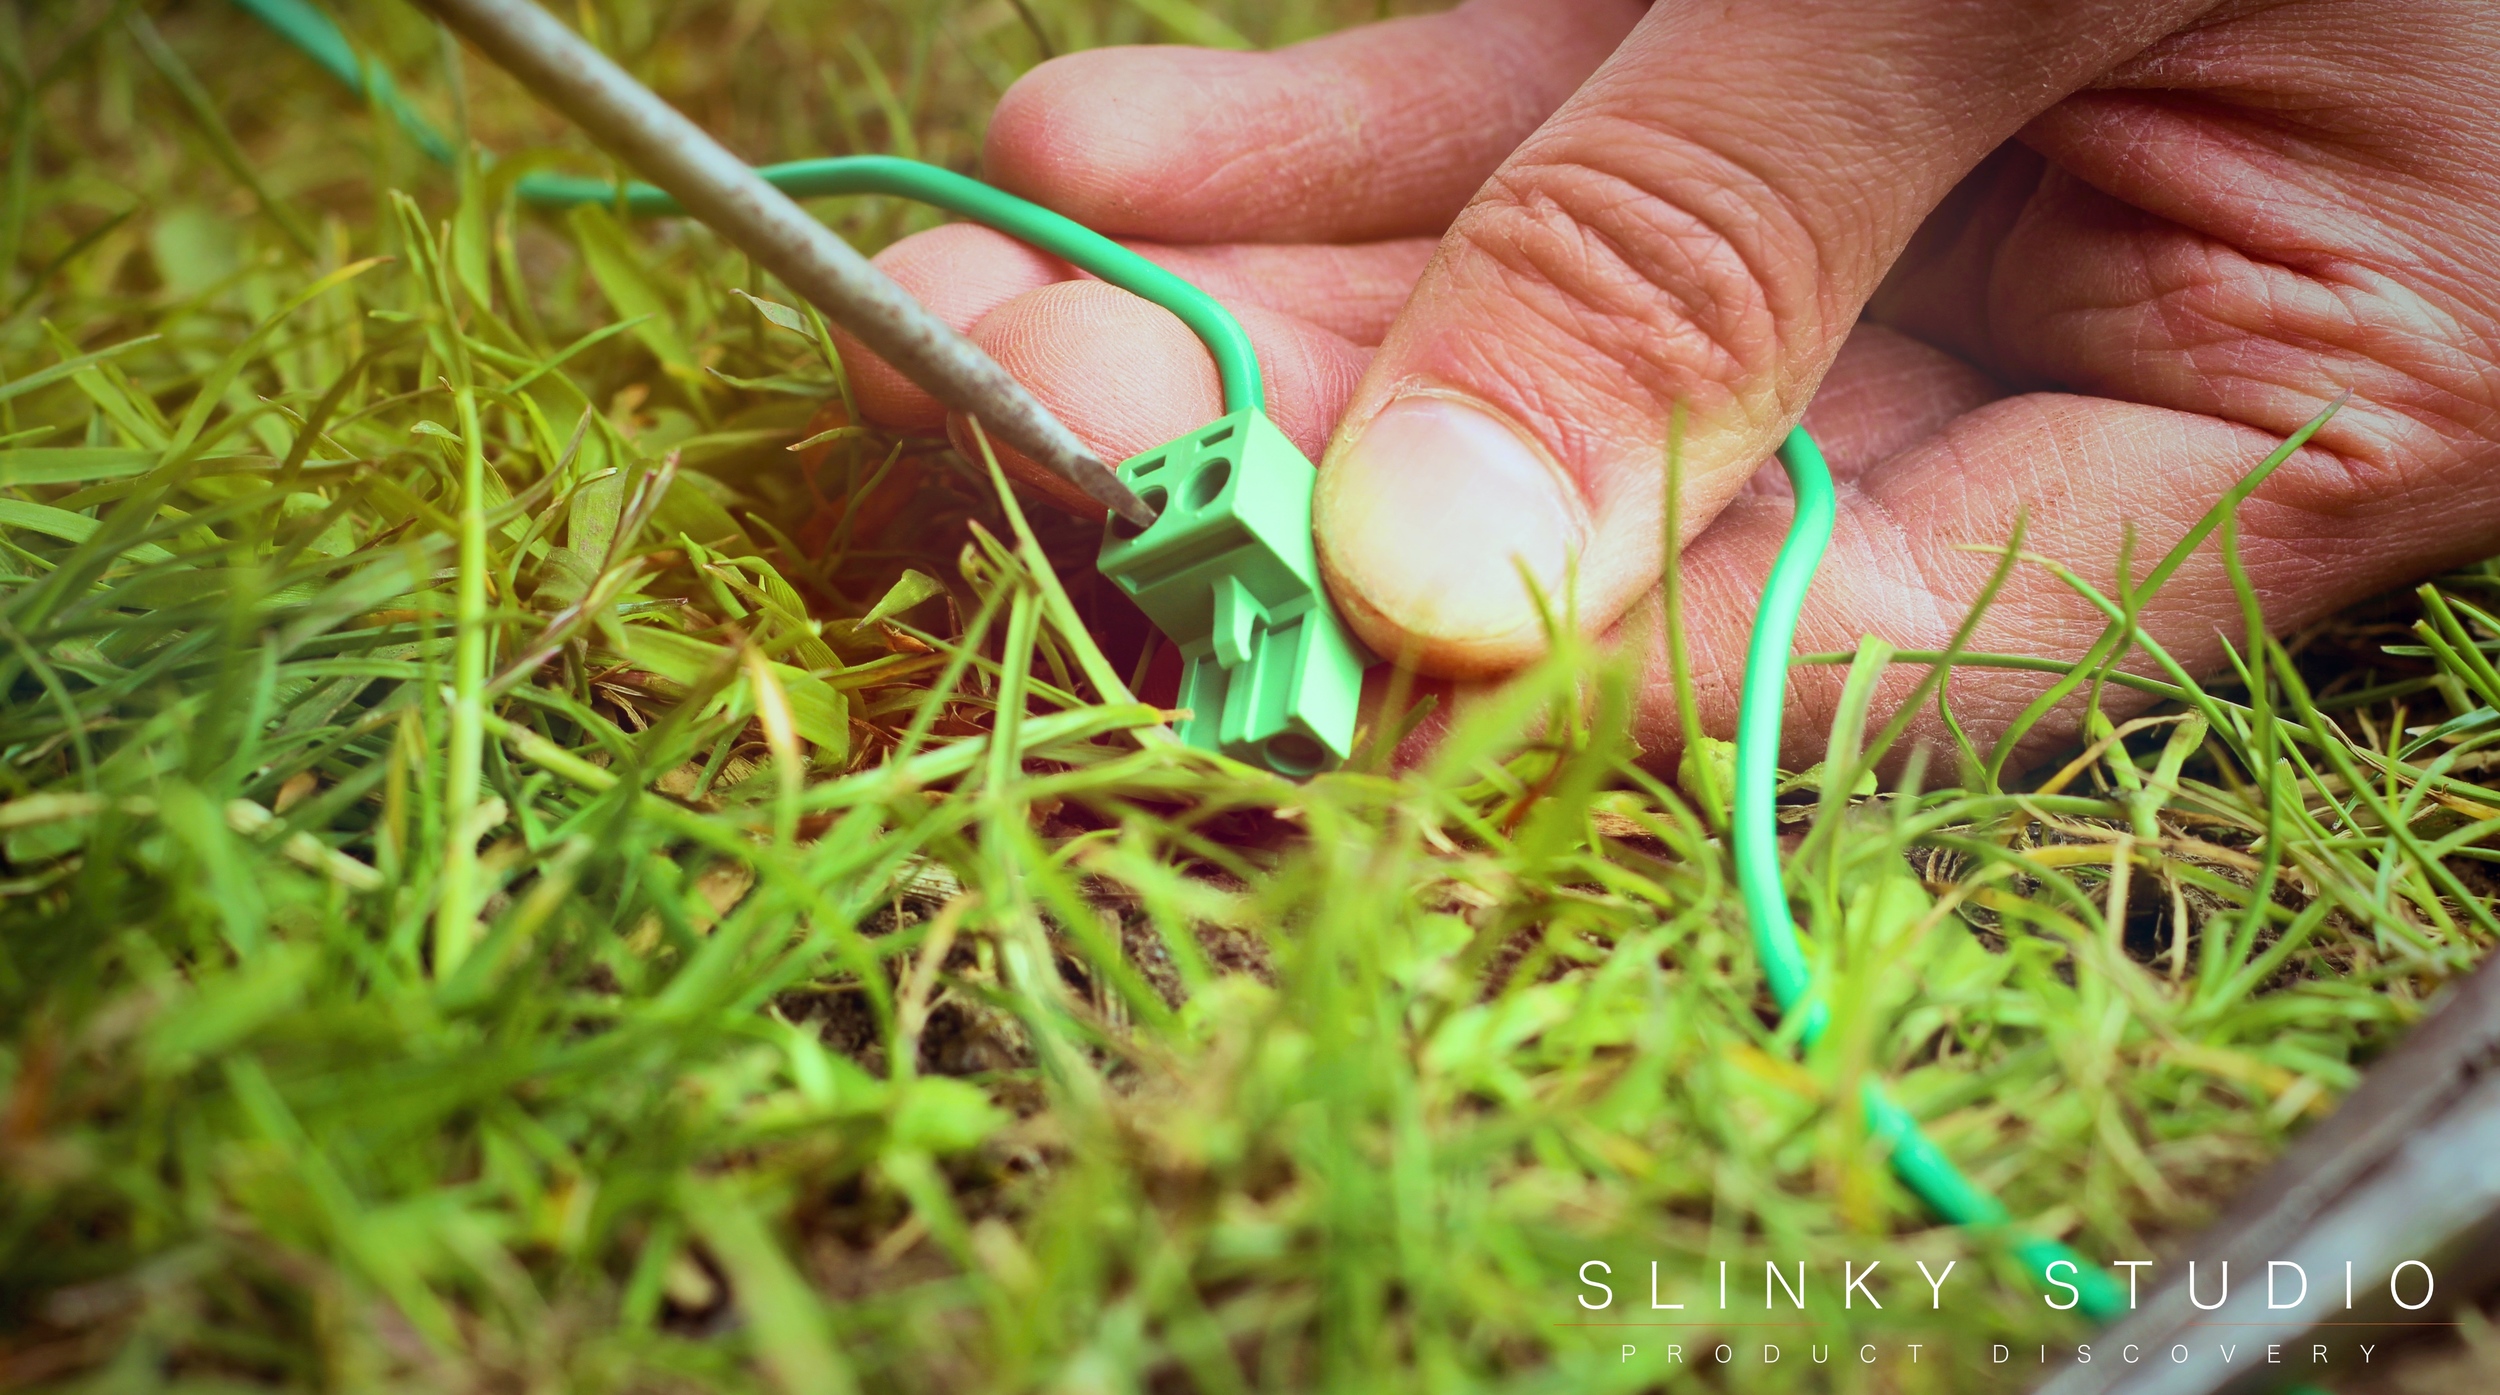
(1698, 226)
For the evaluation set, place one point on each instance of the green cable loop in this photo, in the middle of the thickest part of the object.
(1922, 1166)
(1027, 222)
(1236, 363)
(1754, 836)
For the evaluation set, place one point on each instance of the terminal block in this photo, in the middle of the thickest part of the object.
(1228, 572)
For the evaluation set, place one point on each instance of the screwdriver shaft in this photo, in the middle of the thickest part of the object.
(718, 188)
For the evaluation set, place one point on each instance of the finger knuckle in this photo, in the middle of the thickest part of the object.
(1690, 282)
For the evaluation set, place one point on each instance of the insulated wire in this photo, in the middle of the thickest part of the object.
(1921, 1165)
(1236, 363)
(1754, 837)
(1027, 222)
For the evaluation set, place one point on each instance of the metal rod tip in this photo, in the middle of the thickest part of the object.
(1113, 493)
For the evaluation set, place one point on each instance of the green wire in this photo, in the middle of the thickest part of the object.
(1236, 363)
(1921, 1165)
(318, 39)
(1755, 831)
(1918, 1162)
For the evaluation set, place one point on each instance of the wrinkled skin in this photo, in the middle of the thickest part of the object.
(2079, 260)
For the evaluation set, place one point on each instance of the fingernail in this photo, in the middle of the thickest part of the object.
(1431, 516)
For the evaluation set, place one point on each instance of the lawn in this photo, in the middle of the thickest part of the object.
(517, 878)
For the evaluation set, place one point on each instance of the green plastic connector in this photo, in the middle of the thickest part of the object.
(1269, 674)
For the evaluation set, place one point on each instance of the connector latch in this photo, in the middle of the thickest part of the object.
(1228, 573)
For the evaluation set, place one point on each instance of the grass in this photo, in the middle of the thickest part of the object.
(515, 879)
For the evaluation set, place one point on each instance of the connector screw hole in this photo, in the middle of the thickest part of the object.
(1156, 496)
(1209, 482)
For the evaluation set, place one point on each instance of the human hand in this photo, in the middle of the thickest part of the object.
(2085, 261)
